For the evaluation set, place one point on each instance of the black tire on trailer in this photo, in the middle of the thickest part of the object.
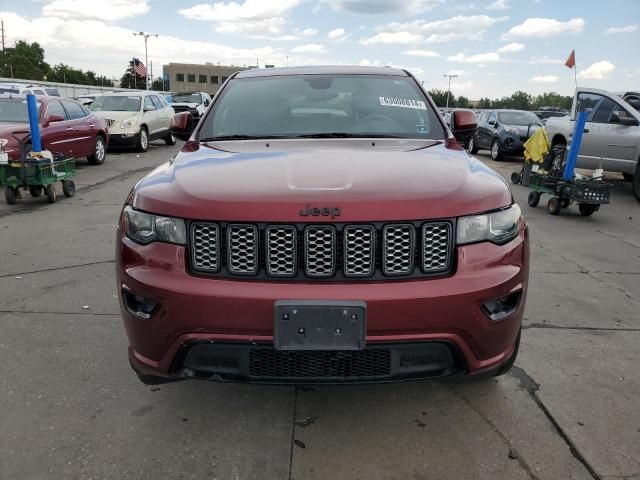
(68, 188)
(553, 206)
(51, 193)
(473, 148)
(35, 191)
(565, 202)
(534, 199)
(586, 210)
(99, 152)
(10, 195)
(516, 178)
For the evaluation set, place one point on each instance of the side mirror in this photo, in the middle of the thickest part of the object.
(182, 125)
(626, 120)
(149, 108)
(206, 103)
(463, 125)
(53, 119)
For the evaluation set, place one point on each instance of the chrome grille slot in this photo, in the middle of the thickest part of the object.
(359, 250)
(242, 249)
(398, 249)
(320, 247)
(205, 251)
(436, 247)
(281, 243)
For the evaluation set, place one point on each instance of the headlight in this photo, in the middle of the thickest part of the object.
(513, 131)
(145, 228)
(129, 122)
(497, 227)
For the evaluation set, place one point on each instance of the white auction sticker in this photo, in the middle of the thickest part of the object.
(402, 102)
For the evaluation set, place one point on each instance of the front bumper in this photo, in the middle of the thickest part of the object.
(236, 316)
(123, 139)
(513, 145)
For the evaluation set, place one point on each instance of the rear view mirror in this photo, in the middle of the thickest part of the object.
(182, 125)
(463, 125)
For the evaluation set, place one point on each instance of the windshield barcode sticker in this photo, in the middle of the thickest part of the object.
(402, 102)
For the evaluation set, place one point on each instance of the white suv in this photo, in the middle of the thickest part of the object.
(135, 118)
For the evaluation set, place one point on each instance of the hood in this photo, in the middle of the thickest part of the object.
(6, 131)
(386, 180)
(522, 129)
(115, 115)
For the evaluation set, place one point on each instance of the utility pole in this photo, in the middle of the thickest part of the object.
(2, 28)
(146, 55)
(151, 73)
(449, 90)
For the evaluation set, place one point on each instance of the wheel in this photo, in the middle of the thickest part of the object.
(68, 188)
(553, 206)
(534, 199)
(35, 191)
(10, 195)
(565, 202)
(143, 140)
(512, 359)
(496, 155)
(586, 209)
(516, 178)
(170, 139)
(635, 186)
(51, 193)
(99, 152)
(628, 177)
(472, 146)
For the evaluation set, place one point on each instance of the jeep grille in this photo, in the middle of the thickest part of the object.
(325, 251)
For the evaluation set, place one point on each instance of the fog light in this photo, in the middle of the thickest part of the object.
(139, 306)
(500, 308)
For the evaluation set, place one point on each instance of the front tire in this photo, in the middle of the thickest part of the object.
(534, 199)
(554, 206)
(51, 193)
(496, 154)
(10, 195)
(472, 146)
(143, 140)
(99, 152)
(68, 188)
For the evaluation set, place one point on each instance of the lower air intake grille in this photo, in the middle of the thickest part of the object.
(319, 364)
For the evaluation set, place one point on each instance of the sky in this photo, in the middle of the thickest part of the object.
(495, 47)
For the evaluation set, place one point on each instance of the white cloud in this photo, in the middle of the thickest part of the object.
(544, 27)
(422, 53)
(456, 72)
(393, 7)
(627, 29)
(544, 60)
(477, 58)
(598, 71)
(386, 38)
(255, 19)
(511, 48)
(450, 37)
(106, 10)
(464, 7)
(499, 5)
(336, 34)
(309, 48)
(365, 62)
(544, 79)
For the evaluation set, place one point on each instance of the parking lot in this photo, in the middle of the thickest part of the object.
(73, 409)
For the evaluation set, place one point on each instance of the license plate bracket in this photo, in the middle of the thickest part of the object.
(319, 325)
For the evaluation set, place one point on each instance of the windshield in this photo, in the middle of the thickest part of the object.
(322, 105)
(15, 110)
(186, 98)
(116, 103)
(518, 118)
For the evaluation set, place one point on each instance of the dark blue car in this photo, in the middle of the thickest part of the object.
(504, 132)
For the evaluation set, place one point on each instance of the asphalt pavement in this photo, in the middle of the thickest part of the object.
(72, 408)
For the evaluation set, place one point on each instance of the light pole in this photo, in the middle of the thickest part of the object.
(449, 90)
(146, 56)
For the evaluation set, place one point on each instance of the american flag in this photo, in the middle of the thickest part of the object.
(139, 68)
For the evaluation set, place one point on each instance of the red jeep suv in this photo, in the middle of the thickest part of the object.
(321, 225)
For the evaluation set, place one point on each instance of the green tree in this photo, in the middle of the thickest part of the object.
(66, 74)
(440, 98)
(484, 103)
(520, 100)
(462, 102)
(157, 84)
(24, 60)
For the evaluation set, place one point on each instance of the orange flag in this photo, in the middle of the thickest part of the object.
(571, 61)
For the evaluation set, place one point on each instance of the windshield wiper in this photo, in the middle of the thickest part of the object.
(348, 135)
(240, 137)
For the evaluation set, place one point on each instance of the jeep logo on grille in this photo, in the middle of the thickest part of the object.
(332, 212)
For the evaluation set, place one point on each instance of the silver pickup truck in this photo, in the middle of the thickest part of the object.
(611, 137)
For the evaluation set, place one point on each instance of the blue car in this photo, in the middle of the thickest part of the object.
(504, 132)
